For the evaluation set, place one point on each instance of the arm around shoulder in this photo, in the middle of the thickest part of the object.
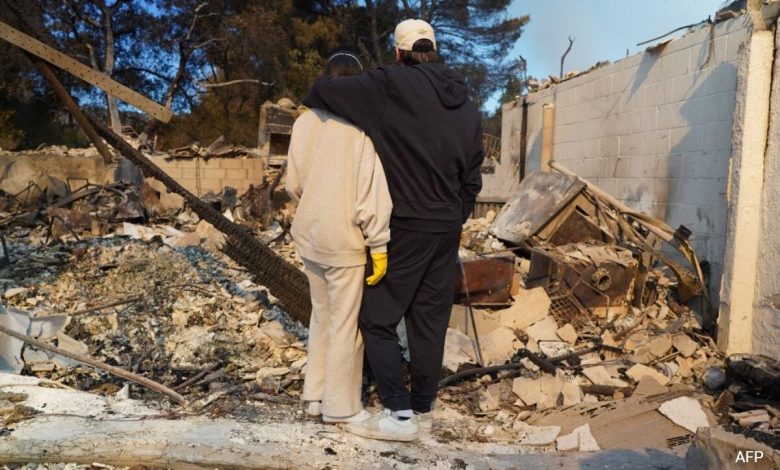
(373, 205)
(360, 99)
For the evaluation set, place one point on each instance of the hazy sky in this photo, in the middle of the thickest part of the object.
(602, 29)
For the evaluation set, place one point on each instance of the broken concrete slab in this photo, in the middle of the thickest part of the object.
(638, 371)
(684, 344)
(543, 330)
(531, 306)
(630, 423)
(488, 401)
(498, 346)
(535, 435)
(528, 390)
(14, 291)
(485, 321)
(567, 333)
(599, 375)
(580, 439)
(685, 412)
(635, 340)
(572, 394)
(660, 345)
(458, 349)
(648, 386)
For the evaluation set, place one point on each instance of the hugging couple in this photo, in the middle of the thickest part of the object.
(385, 167)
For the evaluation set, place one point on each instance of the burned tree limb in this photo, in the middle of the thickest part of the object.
(150, 384)
(450, 379)
(283, 280)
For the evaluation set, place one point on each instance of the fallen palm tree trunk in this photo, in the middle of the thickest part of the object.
(283, 280)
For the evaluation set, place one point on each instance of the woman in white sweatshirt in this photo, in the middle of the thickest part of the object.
(343, 210)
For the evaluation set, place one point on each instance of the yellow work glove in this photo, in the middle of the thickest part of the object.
(380, 268)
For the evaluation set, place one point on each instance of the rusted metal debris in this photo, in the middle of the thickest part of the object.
(558, 215)
(597, 275)
(485, 280)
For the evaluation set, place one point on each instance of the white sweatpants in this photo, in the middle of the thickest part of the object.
(334, 368)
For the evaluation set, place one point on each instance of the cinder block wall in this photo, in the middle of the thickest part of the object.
(653, 130)
(200, 175)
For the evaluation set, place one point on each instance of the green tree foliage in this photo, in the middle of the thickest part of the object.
(217, 61)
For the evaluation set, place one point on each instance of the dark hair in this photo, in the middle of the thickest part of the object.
(422, 53)
(343, 62)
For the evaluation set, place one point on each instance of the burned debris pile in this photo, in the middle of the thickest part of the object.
(586, 326)
(96, 271)
(578, 324)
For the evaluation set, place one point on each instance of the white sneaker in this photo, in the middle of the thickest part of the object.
(362, 416)
(424, 421)
(384, 426)
(314, 408)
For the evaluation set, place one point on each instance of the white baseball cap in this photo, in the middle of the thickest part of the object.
(409, 31)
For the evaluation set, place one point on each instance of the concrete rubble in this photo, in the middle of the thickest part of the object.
(530, 364)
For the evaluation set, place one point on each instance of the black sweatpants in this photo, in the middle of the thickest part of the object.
(420, 286)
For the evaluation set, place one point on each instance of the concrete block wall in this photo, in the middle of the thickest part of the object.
(498, 185)
(653, 130)
(200, 175)
(766, 316)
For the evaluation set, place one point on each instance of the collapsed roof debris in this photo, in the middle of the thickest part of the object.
(601, 348)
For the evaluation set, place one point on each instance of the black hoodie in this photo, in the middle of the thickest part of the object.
(427, 134)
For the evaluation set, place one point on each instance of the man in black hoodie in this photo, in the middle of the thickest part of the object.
(429, 138)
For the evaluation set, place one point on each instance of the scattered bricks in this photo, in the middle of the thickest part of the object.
(635, 340)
